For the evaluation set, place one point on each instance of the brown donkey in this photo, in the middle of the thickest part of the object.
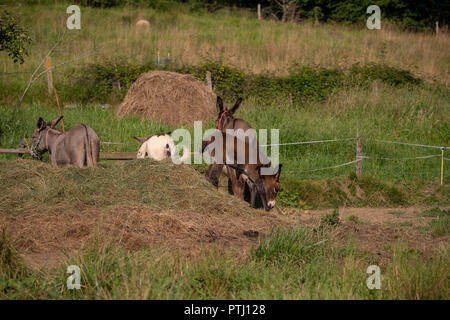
(227, 153)
(80, 146)
(240, 183)
(225, 120)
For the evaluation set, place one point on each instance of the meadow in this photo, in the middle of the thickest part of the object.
(149, 238)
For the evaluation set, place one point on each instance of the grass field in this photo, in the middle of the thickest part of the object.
(147, 230)
(176, 237)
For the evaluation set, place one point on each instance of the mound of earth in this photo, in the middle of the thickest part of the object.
(169, 97)
(47, 212)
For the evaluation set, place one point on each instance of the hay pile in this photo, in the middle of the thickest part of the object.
(169, 97)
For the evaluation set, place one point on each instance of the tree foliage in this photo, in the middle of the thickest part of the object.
(13, 37)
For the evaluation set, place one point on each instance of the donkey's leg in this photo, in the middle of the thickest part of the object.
(208, 172)
(78, 154)
(253, 174)
(53, 160)
(95, 151)
(237, 184)
(251, 188)
(215, 174)
(253, 193)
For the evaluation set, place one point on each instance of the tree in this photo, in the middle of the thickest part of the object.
(290, 9)
(13, 37)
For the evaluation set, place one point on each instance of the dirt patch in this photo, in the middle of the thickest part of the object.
(376, 230)
(45, 237)
(169, 97)
(48, 237)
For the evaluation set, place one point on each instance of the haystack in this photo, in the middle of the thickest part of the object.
(169, 97)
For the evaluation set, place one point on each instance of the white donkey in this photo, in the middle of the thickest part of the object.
(159, 147)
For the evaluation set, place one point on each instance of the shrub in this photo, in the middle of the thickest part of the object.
(364, 75)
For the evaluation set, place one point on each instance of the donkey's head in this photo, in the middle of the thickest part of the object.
(271, 187)
(225, 117)
(38, 141)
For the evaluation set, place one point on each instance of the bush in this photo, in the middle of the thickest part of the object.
(389, 75)
(99, 82)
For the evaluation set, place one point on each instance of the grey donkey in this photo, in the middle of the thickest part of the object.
(80, 146)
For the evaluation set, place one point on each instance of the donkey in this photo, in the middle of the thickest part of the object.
(80, 146)
(239, 181)
(225, 120)
(266, 185)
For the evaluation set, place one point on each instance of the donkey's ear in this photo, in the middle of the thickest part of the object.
(141, 140)
(220, 104)
(55, 122)
(277, 176)
(40, 124)
(236, 105)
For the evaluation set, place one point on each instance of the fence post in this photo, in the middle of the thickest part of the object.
(49, 76)
(437, 27)
(59, 108)
(259, 11)
(208, 79)
(442, 165)
(358, 157)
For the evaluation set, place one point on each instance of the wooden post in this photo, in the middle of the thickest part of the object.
(259, 11)
(208, 79)
(49, 76)
(59, 108)
(358, 157)
(437, 27)
(442, 165)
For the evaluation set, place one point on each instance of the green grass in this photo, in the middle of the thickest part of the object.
(399, 224)
(355, 219)
(440, 226)
(293, 263)
(435, 213)
(392, 183)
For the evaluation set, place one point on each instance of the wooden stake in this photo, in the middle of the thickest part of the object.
(59, 108)
(259, 11)
(49, 76)
(208, 79)
(442, 166)
(358, 157)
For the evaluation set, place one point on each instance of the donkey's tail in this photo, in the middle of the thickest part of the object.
(88, 149)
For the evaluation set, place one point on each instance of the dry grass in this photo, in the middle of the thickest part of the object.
(169, 97)
(137, 203)
(235, 38)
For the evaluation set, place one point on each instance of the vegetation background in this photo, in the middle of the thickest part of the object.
(320, 74)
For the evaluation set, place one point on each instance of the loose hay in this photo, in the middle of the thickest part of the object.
(169, 97)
